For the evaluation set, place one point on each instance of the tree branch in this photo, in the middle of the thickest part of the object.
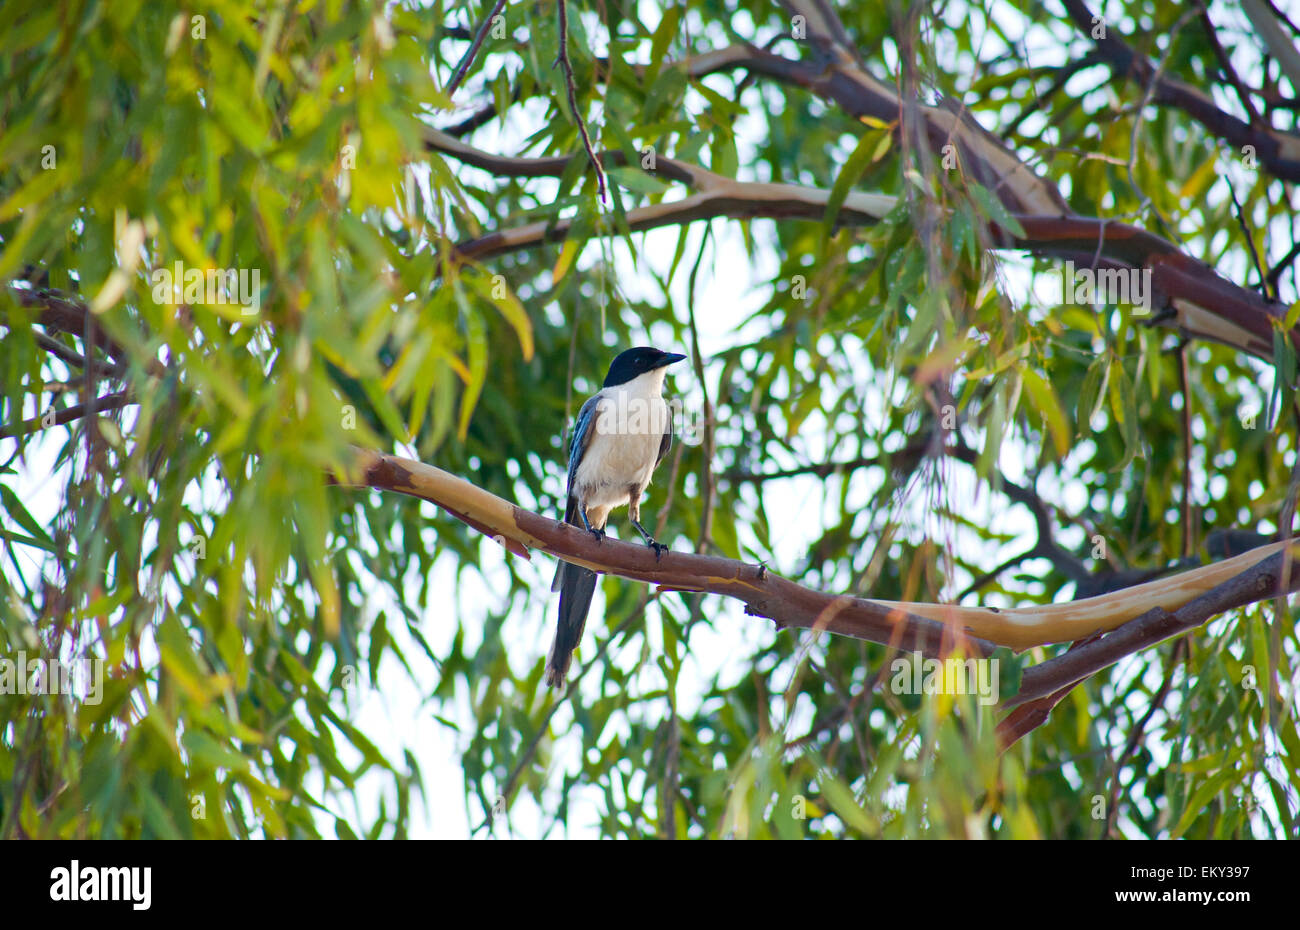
(68, 414)
(75, 358)
(1202, 304)
(1250, 239)
(1275, 275)
(65, 314)
(717, 196)
(1028, 717)
(1278, 151)
(764, 593)
(1265, 17)
(1248, 581)
(900, 624)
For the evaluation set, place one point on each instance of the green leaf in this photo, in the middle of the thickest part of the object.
(663, 36)
(1091, 395)
(476, 339)
(858, 160)
(992, 208)
(14, 507)
(1123, 404)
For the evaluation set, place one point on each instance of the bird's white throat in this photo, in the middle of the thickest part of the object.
(647, 385)
(635, 408)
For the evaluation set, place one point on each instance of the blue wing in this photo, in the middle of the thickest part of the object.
(667, 442)
(583, 430)
(574, 576)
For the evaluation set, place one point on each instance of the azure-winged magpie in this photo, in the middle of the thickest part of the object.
(622, 434)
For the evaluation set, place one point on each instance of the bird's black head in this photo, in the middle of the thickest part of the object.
(636, 362)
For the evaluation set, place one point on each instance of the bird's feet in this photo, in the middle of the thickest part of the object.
(650, 541)
(597, 531)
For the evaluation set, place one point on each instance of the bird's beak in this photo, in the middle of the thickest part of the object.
(669, 358)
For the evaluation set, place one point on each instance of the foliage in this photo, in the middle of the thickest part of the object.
(242, 607)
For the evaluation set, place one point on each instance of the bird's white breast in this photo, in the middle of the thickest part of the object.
(629, 425)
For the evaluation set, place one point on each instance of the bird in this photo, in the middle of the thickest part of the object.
(1225, 543)
(1220, 543)
(1099, 583)
(621, 435)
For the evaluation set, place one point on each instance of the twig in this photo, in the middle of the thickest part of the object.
(1250, 240)
(483, 115)
(562, 59)
(1176, 657)
(1063, 75)
(844, 711)
(989, 576)
(91, 388)
(1028, 717)
(697, 360)
(1275, 275)
(1277, 12)
(75, 358)
(68, 414)
(1225, 65)
(1189, 544)
(816, 469)
(468, 59)
(1046, 547)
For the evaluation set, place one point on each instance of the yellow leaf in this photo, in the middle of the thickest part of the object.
(882, 147)
(1049, 406)
(567, 255)
(1200, 180)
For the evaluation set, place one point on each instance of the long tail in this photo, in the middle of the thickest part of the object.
(577, 585)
